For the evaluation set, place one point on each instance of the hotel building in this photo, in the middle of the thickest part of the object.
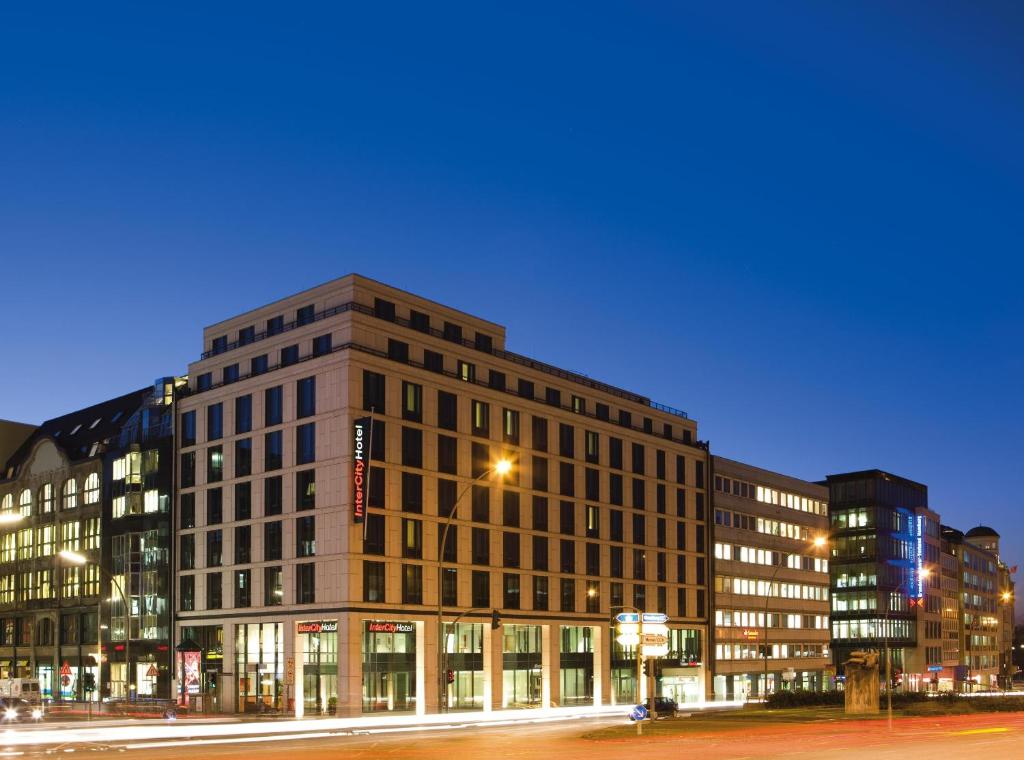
(95, 483)
(771, 582)
(307, 589)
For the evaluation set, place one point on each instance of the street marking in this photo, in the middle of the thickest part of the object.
(971, 731)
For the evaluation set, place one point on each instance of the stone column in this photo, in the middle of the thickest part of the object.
(550, 649)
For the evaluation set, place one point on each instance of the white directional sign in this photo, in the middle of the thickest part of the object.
(627, 617)
(653, 639)
(654, 617)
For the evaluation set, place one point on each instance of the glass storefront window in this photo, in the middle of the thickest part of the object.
(521, 666)
(389, 666)
(464, 656)
(320, 671)
(259, 666)
(577, 665)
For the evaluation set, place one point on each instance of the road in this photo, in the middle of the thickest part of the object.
(993, 735)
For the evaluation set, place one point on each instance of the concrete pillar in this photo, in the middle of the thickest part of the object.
(550, 650)
(493, 667)
(421, 667)
(296, 652)
(601, 673)
(229, 676)
(350, 665)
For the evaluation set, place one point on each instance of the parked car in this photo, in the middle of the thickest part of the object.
(15, 710)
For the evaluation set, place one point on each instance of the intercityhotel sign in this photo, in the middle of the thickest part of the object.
(317, 626)
(360, 457)
(384, 626)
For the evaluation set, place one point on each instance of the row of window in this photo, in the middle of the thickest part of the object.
(242, 587)
(768, 495)
(273, 455)
(41, 541)
(75, 582)
(767, 526)
(758, 587)
(273, 499)
(305, 544)
(75, 628)
(775, 651)
(45, 502)
(756, 620)
(273, 412)
(757, 556)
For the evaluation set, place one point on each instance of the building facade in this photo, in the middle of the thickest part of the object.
(771, 582)
(96, 485)
(324, 441)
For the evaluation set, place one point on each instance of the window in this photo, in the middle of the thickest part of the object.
(510, 426)
(230, 374)
(272, 541)
(639, 493)
(481, 423)
(272, 450)
(258, 365)
(188, 428)
(412, 402)
(412, 584)
(204, 382)
(540, 513)
(214, 422)
(568, 594)
(540, 553)
(539, 431)
(187, 593)
(412, 538)
(243, 414)
(272, 405)
(593, 522)
(187, 505)
(615, 525)
(243, 501)
(452, 332)
(639, 530)
(214, 547)
(273, 586)
(526, 389)
(449, 587)
(592, 446)
(373, 392)
(305, 443)
(638, 459)
(510, 549)
(465, 371)
(566, 440)
(510, 600)
(214, 464)
(398, 350)
(567, 556)
(322, 345)
(304, 315)
(579, 405)
(615, 556)
(447, 454)
(214, 506)
(510, 509)
(305, 583)
(481, 554)
(305, 397)
(272, 496)
(481, 506)
(246, 335)
(243, 457)
(447, 411)
(496, 380)
(540, 592)
(275, 325)
(243, 588)
(553, 396)
(373, 581)
(433, 361)
(214, 591)
(69, 495)
(615, 453)
(412, 492)
(481, 589)
(451, 542)
(592, 484)
(373, 542)
(305, 537)
(305, 490)
(567, 518)
(412, 447)
(290, 355)
(419, 321)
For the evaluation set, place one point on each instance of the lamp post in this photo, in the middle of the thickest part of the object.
(75, 558)
(14, 518)
(501, 468)
(817, 543)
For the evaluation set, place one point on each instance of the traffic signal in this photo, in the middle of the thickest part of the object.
(450, 676)
(495, 620)
(88, 682)
(647, 667)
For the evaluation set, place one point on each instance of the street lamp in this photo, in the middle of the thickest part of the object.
(74, 558)
(923, 573)
(501, 468)
(817, 542)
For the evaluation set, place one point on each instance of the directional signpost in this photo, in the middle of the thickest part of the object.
(647, 633)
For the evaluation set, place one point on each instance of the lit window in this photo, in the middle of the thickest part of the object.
(25, 503)
(92, 489)
(70, 494)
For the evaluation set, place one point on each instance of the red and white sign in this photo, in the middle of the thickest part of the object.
(360, 456)
(65, 669)
(378, 626)
(317, 626)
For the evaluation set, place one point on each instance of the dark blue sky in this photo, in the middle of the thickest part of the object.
(801, 222)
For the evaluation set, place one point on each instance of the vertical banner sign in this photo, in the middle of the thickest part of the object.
(919, 555)
(360, 467)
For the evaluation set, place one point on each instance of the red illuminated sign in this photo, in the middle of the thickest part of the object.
(360, 438)
(375, 626)
(317, 626)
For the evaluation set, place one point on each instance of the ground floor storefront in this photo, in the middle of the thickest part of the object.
(352, 664)
(750, 683)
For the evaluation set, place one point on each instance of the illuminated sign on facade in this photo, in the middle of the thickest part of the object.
(360, 455)
(919, 558)
(376, 626)
(317, 626)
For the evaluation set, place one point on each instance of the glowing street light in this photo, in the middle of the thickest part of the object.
(10, 518)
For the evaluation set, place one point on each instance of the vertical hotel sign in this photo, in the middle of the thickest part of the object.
(361, 432)
(919, 556)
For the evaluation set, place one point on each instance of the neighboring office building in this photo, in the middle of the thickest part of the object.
(96, 482)
(296, 610)
(766, 562)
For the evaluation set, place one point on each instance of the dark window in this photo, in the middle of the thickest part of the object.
(566, 440)
(698, 507)
(272, 406)
(373, 392)
(700, 603)
(540, 474)
(373, 542)
(304, 315)
(540, 553)
(615, 453)
(188, 428)
(540, 592)
(639, 564)
(452, 332)
(412, 402)
(639, 530)
(481, 554)
(481, 419)
(660, 530)
(640, 596)
(305, 537)
(384, 309)
(220, 344)
(510, 508)
(449, 587)
(481, 506)
(412, 538)
(601, 411)
(272, 541)
(540, 513)
(483, 342)
(659, 495)
(681, 602)
(638, 459)
(592, 483)
(540, 434)
(273, 586)
(659, 464)
(681, 535)
(214, 422)
(187, 505)
(451, 542)
(230, 374)
(625, 418)
(567, 556)
(419, 321)
(204, 382)
(187, 593)
(305, 583)
(214, 506)
(699, 540)
(615, 525)
(289, 355)
(322, 345)
(568, 588)
(566, 479)
(243, 500)
(275, 325)
(412, 447)
(639, 493)
(526, 389)
(187, 551)
(481, 589)
(272, 450)
(615, 555)
(480, 459)
(553, 396)
(373, 581)
(567, 518)
(593, 560)
(446, 495)
(258, 364)
(510, 549)
(447, 454)
(433, 361)
(412, 492)
(243, 545)
(272, 499)
(243, 414)
(681, 469)
(214, 591)
(214, 547)
(680, 502)
(616, 595)
(511, 596)
(447, 410)
(398, 350)
(305, 443)
(214, 464)
(375, 490)
(699, 474)
(243, 457)
(305, 489)
(305, 397)
(496, 380)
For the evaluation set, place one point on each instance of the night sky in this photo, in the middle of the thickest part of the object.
(800, 222)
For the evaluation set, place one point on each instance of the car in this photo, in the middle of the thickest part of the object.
(16, 710)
